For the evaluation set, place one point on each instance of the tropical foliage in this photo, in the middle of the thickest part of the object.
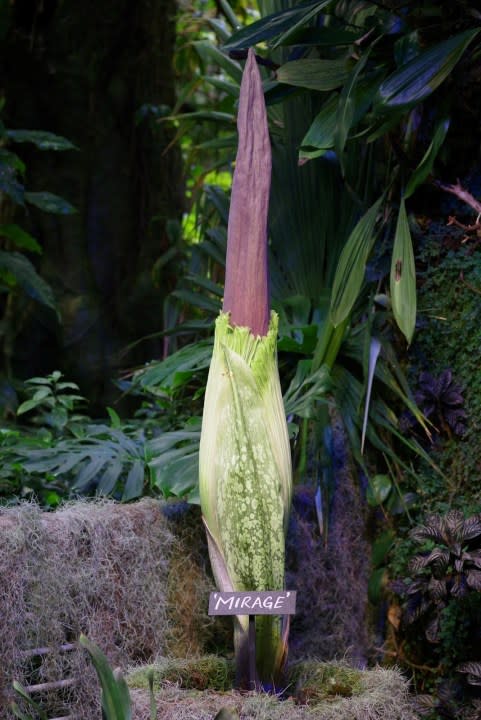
(370, 110)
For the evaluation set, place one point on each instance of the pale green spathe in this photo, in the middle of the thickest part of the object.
(245, 465)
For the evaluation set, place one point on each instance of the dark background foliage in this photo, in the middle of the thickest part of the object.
(146, 92)
(83, 71)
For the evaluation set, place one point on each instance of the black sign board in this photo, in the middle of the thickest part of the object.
(276, 602)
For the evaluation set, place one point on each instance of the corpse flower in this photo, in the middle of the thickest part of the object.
(245, 463)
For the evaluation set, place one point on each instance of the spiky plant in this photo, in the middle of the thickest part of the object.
(472, 670)
(441, 401)
(449, 569)
(244, 461)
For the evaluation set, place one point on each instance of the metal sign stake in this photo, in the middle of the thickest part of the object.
(252, 652)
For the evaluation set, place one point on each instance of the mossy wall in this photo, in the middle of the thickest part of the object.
(449, 337)
(99, 568)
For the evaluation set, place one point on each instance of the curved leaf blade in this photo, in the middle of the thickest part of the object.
(425, 167)
(43, 140)
(352, 264)
(20, 238)
(422, 75)
(48, 202)
(322, 75)
(346, 108)
(28, 278)
(278, 23)
(322, 131)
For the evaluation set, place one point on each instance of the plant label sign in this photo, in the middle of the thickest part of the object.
(275, 602)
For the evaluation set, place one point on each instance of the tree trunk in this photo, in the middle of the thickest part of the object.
(85, 71)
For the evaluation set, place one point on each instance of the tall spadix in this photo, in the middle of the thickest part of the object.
(245, 463)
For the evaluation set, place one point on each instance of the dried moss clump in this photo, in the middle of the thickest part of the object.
(379, 695)
(330, 572)
(191, 632)
(315, 682)
(94, 567)
(202, 673)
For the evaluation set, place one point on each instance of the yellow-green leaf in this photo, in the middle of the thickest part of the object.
(403, 277)
(352, 265)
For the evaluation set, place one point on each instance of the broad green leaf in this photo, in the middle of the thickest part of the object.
(205, 115)
(422, 75)
(21, 239)
(178, 478)
(227, 141)
(67, 386)
(219, 29)
(376, 584)
(378, 489)
(48, 202)
(197, 300)
(42, 393)
(229, 88)
(381, 546)
(274, 25)
(206, 284)
(27, 278)
(134, 484)
(314, 74)
(229, 13)
(321, 133)
(110, 477)
(321, 36)
(406, 48)
(403, 277)
(339, 115)
(12, 160)
(425, 167)
(306, 389)
(352, 265)
(43, 140)
(9, 183)
(115, 420)
(38, 381)
(174, 467)
(27, 405)
(346, 108)
(89, 471)
(209, 54)
(287, 35)
(161, 376)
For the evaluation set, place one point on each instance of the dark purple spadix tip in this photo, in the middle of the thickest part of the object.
(246, 292)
